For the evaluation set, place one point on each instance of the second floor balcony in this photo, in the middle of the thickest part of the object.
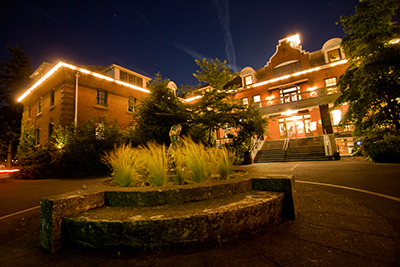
(316, 97)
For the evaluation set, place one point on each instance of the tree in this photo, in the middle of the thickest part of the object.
(218, 107)
(371, 83)
(157, 113)
(14, 76)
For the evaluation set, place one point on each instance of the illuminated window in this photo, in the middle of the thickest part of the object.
(334, 55)
(330, 85)
(131, 104)
(287, 68)
(52, 94)
(101, 98)
(336, 116)
(290, 94)
(256, 98)
(39, 107)
(245, 101)
(248, 80)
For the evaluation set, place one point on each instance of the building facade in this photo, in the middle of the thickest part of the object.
(63, 94)
(296, 91)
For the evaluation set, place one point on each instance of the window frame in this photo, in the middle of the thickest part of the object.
(132, 106)
(100, 100)
(52, 98)
(40, 106)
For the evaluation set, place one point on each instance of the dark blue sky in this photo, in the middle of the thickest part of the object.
(165, 36)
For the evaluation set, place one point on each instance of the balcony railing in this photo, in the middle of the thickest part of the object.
(318, 96)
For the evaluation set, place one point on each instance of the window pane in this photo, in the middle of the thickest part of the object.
(330, 82)
(334, 55)
(123, 76)
(131, 104)
(248, 80)
(102, 98)
(256, 98)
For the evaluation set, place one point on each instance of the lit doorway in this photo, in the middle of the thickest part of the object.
(299, 126)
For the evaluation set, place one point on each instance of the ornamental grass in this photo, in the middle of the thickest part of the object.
(127, 165)
(156, 166)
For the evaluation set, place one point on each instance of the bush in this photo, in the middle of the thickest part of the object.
(382, 147)
(35, 164)
(78, 150)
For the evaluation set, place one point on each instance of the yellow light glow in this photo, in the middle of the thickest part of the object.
(289, 112)
(192, 98)
(72, 67)
(299, 73)
(270, 97)
(40, 81)
(294, 40)
(312, 88)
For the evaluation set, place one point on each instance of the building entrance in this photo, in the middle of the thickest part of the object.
(295, 126)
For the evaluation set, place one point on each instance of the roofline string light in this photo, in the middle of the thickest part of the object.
(299, 73)
(85, 71)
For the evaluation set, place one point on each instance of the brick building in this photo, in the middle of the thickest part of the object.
(64, 93)
(296, 91)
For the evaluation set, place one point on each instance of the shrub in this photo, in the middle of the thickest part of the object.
(77, 150)
(382, 148)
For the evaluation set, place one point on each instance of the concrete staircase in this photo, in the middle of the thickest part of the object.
(301, 149)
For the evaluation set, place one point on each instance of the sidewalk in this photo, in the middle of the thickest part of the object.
(330, 231)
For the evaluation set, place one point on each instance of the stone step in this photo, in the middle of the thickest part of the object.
(212, 221)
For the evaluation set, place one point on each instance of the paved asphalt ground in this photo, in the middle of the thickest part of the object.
(331, 230)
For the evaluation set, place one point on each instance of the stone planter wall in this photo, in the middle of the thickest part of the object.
(54, 209)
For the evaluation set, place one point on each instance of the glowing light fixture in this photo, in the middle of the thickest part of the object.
(293, 40)
(82, 70)
(312, 88)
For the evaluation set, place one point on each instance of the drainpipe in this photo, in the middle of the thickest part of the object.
(76, 99)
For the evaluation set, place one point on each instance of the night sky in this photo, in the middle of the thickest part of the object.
(165, 36)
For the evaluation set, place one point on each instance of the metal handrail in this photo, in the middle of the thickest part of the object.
(286, 144)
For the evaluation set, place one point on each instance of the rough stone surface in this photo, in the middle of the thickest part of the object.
(54, 209)
(118, 196)
(280, 183)
(206, 222)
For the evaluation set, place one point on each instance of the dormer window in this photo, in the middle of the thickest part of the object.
(132, 79)
(334, 55)
(248, 80)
